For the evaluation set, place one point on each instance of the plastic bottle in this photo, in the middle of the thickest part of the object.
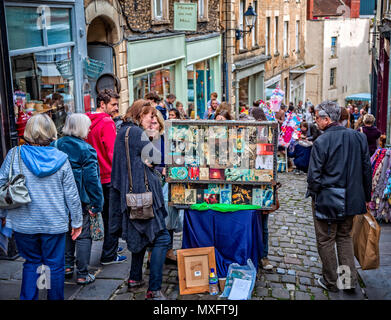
(213, 283)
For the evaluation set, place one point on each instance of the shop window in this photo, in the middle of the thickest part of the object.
(43, 82)
(32, 27)
(160, 11)
(161, 81)
(202, 10)
(59, 29)
(22, 25)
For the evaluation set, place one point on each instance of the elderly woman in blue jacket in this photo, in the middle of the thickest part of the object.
(84, 162)
(40, 226)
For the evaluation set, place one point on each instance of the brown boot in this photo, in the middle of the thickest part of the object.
(170, 257)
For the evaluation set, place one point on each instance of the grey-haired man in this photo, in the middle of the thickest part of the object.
(340, 183)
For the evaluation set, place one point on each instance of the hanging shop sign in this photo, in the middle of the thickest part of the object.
(185, 16)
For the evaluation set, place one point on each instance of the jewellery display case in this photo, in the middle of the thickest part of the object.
(228, 162)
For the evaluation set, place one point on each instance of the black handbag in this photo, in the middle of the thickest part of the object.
(139, 204)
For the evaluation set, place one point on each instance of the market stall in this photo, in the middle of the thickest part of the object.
(223, 173)
(380, 204)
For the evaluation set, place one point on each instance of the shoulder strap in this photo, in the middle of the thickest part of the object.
(20, 161)
(129, 165)
(11, 164)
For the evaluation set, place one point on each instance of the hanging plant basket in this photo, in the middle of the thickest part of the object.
(93, 68)
(64, 67)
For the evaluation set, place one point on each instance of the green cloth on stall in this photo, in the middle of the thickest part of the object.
(223, 207)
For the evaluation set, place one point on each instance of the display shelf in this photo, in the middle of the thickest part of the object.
(246, 141)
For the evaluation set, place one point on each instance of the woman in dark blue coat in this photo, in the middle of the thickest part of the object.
(139, 234)
(84, 162)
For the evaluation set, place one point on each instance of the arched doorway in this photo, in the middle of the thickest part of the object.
(103, 33)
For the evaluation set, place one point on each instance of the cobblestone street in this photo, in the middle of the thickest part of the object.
(292, 251)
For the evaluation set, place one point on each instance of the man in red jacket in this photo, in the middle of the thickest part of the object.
(102, 137)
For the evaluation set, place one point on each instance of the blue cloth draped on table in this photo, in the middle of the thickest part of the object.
(236, 236)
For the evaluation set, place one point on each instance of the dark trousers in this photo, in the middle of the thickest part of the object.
(110, 242)
(158, 256)
(42, 249)
(327, 237)
(265, 235)
(82, 245)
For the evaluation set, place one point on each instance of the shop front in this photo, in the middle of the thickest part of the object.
(297, 78)
(250, 80)
(189, 68)
(203, 56)
(157, 65)
(47, 48)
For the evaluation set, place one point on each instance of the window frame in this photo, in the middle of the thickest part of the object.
(254, 34)
(267, 36)
(205, 16)
(165, 18)
(46, 45)
(242, 25)
(333, 48)
(298, 34)
(276, 38)
(286, 39)
(333, 75)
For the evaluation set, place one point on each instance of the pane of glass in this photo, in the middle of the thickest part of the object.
(158, 9)
(59, 26)
(24, 27)
(45, 79)
(140, 87)
(190, 89)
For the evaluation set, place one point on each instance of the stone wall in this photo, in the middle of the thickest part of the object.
(139, 21)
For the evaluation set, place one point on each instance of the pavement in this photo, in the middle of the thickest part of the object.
(292, 252)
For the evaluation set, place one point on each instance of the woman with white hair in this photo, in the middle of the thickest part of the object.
(40, 226)
(84, 162)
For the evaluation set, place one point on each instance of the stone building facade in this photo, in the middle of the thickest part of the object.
(256, 64)
(284, 27)
(149, 55)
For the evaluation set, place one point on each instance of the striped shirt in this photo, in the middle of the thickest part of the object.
(54, 200)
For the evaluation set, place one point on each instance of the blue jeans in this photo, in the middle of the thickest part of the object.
(42, 249)
(158, 256)
(82, 245)
(265, 235)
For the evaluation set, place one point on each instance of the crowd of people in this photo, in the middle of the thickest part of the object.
(86, 173)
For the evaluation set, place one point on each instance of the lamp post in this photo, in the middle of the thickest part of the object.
(250, 17)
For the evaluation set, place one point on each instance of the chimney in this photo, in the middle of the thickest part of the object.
(354, 8)
(310, 9)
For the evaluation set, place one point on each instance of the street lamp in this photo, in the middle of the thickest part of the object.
(250, 17)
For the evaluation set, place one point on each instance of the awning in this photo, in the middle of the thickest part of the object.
(359, 97)
(302, 69)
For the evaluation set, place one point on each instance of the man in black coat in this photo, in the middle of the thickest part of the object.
(339, 180)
